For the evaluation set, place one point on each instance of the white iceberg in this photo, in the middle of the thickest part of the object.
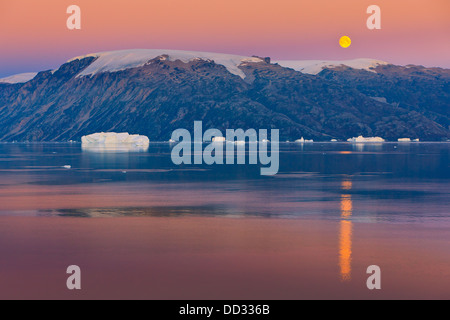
(363, 139)
(404, 140)
(218, 139)
(111, 141)
(302, 140)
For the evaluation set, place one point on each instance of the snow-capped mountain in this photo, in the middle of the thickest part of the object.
(113, 61)
(153, 92)
(19, 78)
(316, 66)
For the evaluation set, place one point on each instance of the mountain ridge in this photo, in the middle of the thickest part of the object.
(133, 58)
(162, 94)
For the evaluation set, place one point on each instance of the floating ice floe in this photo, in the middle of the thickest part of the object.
(218, 139)
(302, 140)
(404, 140)
(363, 139)
(111, 141)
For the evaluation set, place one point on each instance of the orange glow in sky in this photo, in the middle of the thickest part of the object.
(33, 34)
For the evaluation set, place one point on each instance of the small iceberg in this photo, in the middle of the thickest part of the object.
(404, 140)
(112, 138)
(302, 140)
(111, 141)
(218, 139)
(363, 139)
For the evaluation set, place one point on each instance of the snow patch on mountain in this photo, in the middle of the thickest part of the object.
(316, 66)
(19, 78)
(113, 61)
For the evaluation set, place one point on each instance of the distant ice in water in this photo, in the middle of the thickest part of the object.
(363, 139)
(303, 140)
(111, 141)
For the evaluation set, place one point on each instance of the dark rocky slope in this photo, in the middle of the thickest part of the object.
(164, 95)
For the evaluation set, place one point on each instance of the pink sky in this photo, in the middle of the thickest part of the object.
(34, 37)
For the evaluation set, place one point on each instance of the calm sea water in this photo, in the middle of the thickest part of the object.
(225, 231)
(393, 182)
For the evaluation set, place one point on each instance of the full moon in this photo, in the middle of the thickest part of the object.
(345, 42)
